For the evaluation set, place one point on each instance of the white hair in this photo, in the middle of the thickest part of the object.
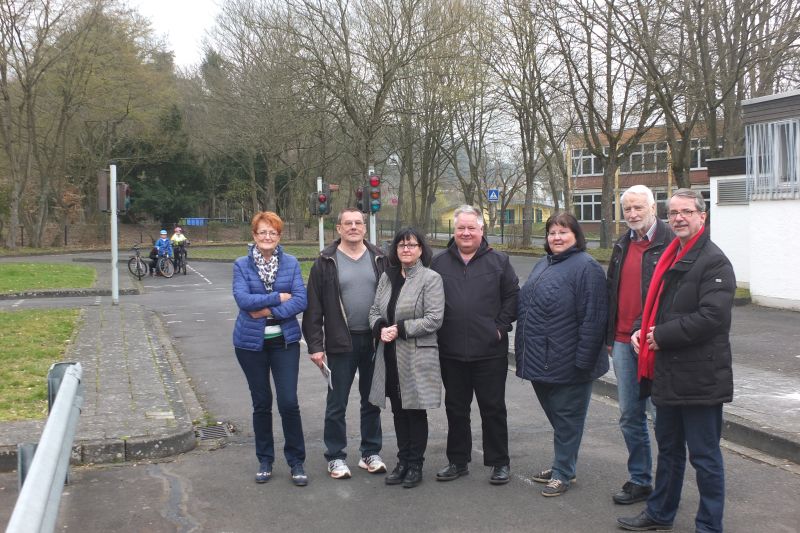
(640, 189)
(468, 210)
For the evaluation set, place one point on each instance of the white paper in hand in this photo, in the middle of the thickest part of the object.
(326, 372)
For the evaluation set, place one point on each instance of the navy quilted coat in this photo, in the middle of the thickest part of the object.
(561, 320)
(251, 295)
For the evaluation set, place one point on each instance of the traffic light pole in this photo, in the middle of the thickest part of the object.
(321, 219)
(373, 232)
(114, 245)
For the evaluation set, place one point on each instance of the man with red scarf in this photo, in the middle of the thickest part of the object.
(685, 358)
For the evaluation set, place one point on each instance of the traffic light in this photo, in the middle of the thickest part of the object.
(324, 200)
(374, 193)
(362, 203)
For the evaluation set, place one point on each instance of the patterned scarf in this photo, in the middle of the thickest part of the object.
(672, 254)
(267, 268)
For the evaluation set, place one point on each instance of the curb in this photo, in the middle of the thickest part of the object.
(769, 440)
(66, 293)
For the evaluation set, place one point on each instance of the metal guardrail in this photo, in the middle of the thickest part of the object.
(42, 483)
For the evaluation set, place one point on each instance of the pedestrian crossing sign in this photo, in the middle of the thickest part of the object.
(493, 195)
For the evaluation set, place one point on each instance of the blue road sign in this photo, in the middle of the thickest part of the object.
(493, 195)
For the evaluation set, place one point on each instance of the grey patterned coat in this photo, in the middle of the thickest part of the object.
(421, 305)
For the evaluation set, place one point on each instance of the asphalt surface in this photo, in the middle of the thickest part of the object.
(168, 353)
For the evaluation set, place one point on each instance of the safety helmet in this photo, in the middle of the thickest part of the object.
(178, 229)
(163, 232)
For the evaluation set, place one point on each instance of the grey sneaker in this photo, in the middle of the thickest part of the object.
(372, 464)
(555, 487)
(338, 469)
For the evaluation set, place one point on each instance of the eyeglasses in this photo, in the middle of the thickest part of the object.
(559, 234)
(355, 223)
(685, 213)
(267, 233)
(407, 245)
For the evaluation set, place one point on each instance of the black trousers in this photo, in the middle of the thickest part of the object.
(486, 379)
(411, 428)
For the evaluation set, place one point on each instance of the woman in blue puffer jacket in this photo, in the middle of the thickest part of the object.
(560, 341)
(268, 288)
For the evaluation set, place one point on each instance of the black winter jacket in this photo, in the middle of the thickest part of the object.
(324, 322)
(692, 327)
(661, 238)
(480, 301)
(561, 321)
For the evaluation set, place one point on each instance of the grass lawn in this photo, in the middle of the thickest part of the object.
(302, 251)
(30, 341)
(17, 277)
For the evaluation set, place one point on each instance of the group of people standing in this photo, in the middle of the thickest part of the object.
(410, 322)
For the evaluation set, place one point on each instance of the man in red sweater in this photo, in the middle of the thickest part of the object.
(633, 262)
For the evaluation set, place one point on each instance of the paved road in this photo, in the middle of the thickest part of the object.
(210, 489)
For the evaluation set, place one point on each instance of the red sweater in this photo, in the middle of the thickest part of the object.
(629, 306)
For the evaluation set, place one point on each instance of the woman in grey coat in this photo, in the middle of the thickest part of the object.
(407, 312)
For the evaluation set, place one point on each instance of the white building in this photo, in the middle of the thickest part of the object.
(756, 202)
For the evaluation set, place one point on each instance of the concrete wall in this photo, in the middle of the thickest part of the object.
(762, 240)
(730, 230)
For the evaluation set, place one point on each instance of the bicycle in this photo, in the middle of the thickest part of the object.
(136, 265)
(181, 258)
(165, 266)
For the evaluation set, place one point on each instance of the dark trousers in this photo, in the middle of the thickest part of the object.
(698, 428)
(486, 379)
(566, 407)
(343, 370)
(411, 428)
(283, 362)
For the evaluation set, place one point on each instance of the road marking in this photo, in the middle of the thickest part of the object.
(199, 274)
(200, 320)
(174, 321)
(170, 314)
(229, 312)
(17, 303)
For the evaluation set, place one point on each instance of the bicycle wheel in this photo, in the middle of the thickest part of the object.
(136, 267)
(166, 267)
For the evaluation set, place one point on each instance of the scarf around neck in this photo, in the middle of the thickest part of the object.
(672, 254)
(267, 268)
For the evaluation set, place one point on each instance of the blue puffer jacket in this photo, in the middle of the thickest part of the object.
(251, 295)
(561, 321)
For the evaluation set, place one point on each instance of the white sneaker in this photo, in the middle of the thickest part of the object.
(338, 469)
(372, 464)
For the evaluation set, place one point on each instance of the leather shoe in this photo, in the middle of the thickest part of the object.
(642, 522)
(397, 475)
(413, 476)
(451, 472)
(632, 493)
(500, 475)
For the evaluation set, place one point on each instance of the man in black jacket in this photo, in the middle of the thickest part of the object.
(633, 261)
(341, 289)
(480, 289)
(684, 348)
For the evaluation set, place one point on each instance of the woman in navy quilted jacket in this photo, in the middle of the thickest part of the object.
(560, 341)
(268, 288)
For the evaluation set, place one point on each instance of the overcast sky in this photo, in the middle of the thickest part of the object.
(182, 22)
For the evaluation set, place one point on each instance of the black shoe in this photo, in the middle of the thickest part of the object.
(413, 476)
(299, 477)
(398, 474)
(632, 493)
(451, 472)
(500, 475)
(264, 473)
(642, 522)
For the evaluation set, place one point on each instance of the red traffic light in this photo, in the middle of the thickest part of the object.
(374, 181)
(323, 198)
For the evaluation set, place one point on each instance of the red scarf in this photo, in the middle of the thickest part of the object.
(673, 254)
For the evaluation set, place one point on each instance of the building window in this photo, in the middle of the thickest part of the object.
(587, 207)
(584, 163)
(537, 213)
(508, 216)
(773, 159)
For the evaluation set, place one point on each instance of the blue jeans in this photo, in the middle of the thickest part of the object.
(566, 407)
(343, 370)
(633, 414)
(699, 428)
(283, 361)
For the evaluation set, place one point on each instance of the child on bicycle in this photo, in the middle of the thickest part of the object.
(179, 243)
(162, 247)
